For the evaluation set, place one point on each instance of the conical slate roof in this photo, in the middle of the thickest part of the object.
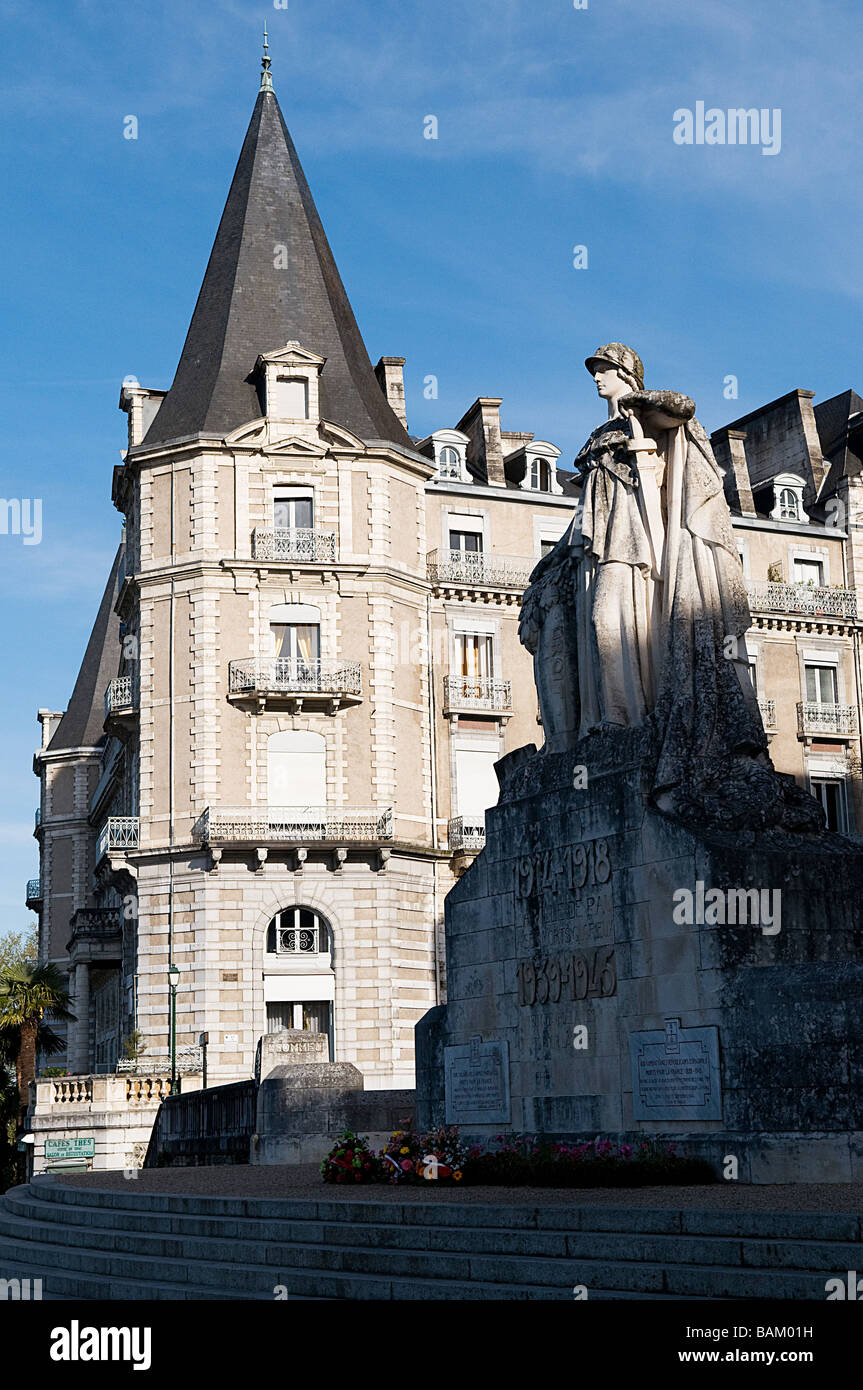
(81, 725)
(248, 306)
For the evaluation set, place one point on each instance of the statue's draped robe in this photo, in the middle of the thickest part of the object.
(659, 636)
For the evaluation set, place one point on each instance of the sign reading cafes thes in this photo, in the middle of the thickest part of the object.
(70, 1148)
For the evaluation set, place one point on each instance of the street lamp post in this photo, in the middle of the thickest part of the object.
(173, 981)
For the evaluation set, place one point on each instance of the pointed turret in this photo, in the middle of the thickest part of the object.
(271, 279)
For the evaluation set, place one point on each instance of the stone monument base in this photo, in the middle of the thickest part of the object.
(614, 971)
(303, 1107)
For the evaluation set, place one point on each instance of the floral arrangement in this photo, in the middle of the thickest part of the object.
(350, 1160)
(530, 1161)
(512, 1160)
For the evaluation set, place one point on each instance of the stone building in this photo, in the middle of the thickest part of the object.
(280, 745)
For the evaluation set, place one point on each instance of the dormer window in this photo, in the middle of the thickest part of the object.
(789, 504)
(540, 475)
(450, 463)
(290, 398)
(291, 379)
(788, 498)
(534, 467)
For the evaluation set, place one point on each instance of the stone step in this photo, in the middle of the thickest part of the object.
(129, 1245)
(146, 1278)
(263, 1242)
(302, 1268)
(781, 1225)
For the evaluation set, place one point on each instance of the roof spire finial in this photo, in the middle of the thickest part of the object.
(266, 78)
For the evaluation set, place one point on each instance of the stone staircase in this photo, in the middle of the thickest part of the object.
(128, 1244)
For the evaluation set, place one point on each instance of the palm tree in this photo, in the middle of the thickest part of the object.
(27, 992)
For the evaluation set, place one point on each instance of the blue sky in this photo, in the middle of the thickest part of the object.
(555, 130)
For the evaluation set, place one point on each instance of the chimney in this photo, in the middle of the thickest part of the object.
(49, 719)
(731, 455)
(391, 379)
(481, 424)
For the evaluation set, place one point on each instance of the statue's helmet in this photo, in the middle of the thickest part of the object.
(618, 355)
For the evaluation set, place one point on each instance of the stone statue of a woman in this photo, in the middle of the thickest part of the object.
(638, 616)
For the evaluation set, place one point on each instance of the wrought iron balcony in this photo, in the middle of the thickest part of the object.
(809, 599)
(117, 834)
(768, 713)
(333, 682)
(815, 718)
(467, 832)
(302, 544)
(477, 695)
(330, 824)
(478, 569)
(34, 891)
(120, 697)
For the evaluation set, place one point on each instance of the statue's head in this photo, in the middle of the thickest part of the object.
(616, 369)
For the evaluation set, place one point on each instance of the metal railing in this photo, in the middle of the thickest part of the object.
(467, 832)
(332, 824)
(803, 598)
(34, 890)
(815, 718)
(300, 543)
(119, 695)
(768, 713)
(479, 568)
(476, 693)
(281, 675)
(118, 832)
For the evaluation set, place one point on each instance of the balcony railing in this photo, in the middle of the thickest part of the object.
(768, 713)
(118, 833)
(333, 824)
(95, 924)
(467, 832)
(479, 569)
(288, 677)
(34, 891)
(480, 694)
(306, 546)
(815, 718)
(810, 599)
(120, 696)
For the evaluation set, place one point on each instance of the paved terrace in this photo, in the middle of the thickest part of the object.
(303, 1183)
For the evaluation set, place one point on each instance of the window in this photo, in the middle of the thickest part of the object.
(821, 685)
(546, 547)
(311, 1017)
(289, 398)
(297, 931)
(830, 791)
(476, 781)
(296, 770)
(450, 463)
(474, 655)
(293, 511)
(753, 673)
(540, 474)
(809, 572)
(789, 504)
(468, 541)
(296, 645)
